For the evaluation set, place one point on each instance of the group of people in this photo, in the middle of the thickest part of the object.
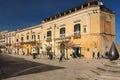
(98, 55)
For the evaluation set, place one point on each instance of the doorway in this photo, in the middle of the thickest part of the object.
(77, 52)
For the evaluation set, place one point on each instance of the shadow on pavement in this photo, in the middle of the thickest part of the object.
(12, 67)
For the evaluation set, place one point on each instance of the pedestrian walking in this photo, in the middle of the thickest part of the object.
(93, 55)
(60, 60)
(98, 55)
(51, 56)
(61, 57)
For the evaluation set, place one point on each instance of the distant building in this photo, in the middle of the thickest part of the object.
(87, 28)
(2, 40)
(10, 39)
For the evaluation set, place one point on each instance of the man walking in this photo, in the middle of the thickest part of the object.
(98, 55)
(93, 55)
(61, 56)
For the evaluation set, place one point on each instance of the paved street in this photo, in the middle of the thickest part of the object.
(19, 67)
(13, 67)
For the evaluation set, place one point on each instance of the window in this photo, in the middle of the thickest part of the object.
(33, 37)
(38, 36)
(9, 40)
(21, 39)
(84, 30)
(27, 37)
(62, 32)
(49, 35)
(77, 29)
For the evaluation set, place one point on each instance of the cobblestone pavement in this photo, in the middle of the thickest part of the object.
(73, 69)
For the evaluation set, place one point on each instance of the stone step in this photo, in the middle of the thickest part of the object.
(112, 65)
(109, 69)
(110, 77)
(106, 75)
(97, 71)
(92, 76)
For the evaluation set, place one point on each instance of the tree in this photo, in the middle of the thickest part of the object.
(67, 45)
(48, 48)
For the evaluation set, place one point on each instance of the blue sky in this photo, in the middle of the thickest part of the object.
(18, 14)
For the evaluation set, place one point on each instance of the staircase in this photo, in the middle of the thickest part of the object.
(109, 71)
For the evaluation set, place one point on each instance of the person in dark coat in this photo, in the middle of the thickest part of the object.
(60, 60)
(93, 55)
(61, 56)
(98, 55)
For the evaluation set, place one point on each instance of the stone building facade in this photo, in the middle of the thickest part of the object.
(87, 28)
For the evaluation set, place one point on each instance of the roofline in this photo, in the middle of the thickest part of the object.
(87, 4)
(29, 28)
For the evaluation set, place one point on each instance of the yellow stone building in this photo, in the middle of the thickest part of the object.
(28, 40)
(10, 41)
(87, 28)
(2, 41)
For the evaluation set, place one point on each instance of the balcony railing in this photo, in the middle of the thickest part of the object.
(22, 41)
(62, 35)
(76, 33)
(48, 38)
(28, 41)
(67, 35)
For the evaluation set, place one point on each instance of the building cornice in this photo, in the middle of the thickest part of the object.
(29, 28)
(82, 6)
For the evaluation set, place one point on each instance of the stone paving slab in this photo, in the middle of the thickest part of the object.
(73, 69)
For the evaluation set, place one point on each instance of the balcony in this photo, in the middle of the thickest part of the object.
(28, 41)
(76, 33)
(31, 40)
(63, 36)
(48, 38)
(68, 35)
